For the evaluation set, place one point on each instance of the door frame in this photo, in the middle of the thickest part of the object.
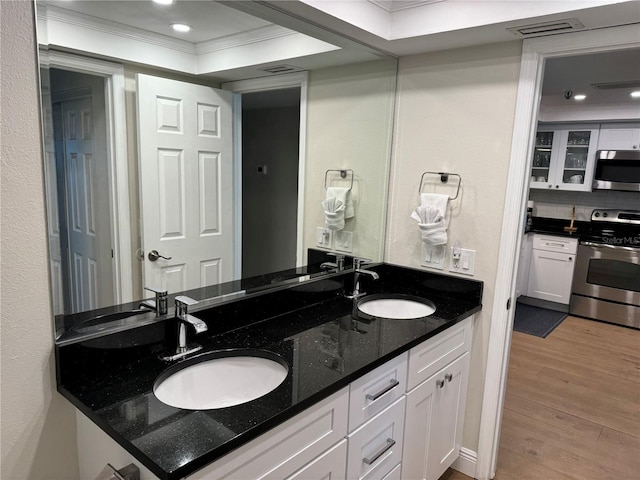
(534, 53)
(290, 80)
(116, 122)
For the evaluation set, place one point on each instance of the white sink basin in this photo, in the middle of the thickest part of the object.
(222, 381)
(396, 307)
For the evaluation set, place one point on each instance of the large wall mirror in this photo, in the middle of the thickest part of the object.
(185, 159)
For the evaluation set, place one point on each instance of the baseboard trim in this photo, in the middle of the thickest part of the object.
(466, 462)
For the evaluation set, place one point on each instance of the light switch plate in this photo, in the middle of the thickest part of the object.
(323, 237)
(343, 241)
(433, 256)
(465, 264)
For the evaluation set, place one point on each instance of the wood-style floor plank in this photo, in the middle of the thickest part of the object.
(572, 405)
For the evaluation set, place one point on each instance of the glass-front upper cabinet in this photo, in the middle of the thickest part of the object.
(564, 156)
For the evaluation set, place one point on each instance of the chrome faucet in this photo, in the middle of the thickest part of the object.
(159, 305)
(338, 264)
(184, 319)
(358, 271)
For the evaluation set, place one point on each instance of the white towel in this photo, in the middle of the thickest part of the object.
(431, 216)
(333, 213)
(344, 196)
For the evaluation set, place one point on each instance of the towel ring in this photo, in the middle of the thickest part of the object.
(444, 178)
(343, 174)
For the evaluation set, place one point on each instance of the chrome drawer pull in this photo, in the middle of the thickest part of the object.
(393, 384)
(390, 443)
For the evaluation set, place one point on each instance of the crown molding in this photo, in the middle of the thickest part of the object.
(79, 20)
(392, 6)
(257, 35)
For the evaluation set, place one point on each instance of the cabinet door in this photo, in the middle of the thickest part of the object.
(619, 138)
(541, 168)
(550, 276)
(563, 158)
(435, 414)
(524, 263)
(574, 166)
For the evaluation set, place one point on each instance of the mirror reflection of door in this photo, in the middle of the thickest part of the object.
(270, 169)
(80, 144)
(186, 183)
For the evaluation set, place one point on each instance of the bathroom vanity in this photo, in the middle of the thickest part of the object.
(357, 388)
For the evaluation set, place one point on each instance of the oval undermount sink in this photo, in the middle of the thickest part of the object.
(221, 379)
(401, 307)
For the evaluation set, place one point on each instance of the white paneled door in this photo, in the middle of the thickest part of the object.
(186, 182)
(87, 207)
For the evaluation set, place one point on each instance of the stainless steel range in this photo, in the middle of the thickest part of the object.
(606, 279)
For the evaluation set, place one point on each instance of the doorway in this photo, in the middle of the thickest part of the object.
(270, 160)
(535, 52)
(81, 165)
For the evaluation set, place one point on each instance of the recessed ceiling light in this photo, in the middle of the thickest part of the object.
(579, 97)
(635, 94)
(163, 2)
(181, 27)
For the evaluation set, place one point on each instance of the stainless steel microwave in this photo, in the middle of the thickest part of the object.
(617, 170)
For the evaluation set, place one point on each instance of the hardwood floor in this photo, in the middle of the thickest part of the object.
(572, 407)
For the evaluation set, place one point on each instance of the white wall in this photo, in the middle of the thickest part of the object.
(455, 113)
(38, 425)
(349, 120)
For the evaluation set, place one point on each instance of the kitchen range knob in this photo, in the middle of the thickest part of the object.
(597, 214)
(605, 214)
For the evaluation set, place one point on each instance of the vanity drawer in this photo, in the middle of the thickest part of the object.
(433, 354)
(375, 449)
(282, 451)
(376, 390)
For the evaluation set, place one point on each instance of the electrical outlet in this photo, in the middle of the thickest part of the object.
(464, 262)
(343, 241)
(323, 237)
(433, 256)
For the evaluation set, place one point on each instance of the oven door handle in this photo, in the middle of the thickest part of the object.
(605, 245)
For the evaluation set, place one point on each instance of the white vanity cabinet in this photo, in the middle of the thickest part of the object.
(619, 137)
(564, 157)
(437, 390)
(357, 433)
(551, 269)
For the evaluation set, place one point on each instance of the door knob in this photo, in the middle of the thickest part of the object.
(154, 255)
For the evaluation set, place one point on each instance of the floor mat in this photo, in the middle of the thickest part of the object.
(536, 321)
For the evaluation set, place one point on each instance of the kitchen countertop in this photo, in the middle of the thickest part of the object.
(311, 326)
(555, 226)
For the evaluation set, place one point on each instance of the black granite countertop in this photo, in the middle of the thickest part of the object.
(312, 327)
(555, 226)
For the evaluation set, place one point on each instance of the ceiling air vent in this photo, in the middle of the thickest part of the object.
(547, 28)
(278, 69)
(617, 85)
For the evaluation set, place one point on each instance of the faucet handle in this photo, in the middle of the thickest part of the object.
(360, 261)
(339, 260)
(160, 303)
(182, 304)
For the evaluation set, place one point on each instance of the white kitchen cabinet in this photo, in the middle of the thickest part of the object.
(551, 269)
(564, 157)
(619, 137)
(329, 465)
(524, 264)
(435, 407)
